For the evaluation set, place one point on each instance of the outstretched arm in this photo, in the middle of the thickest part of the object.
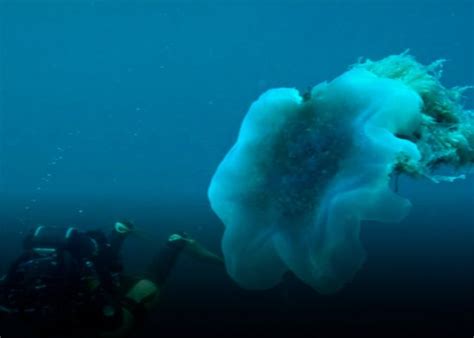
(176, 244)
(197, 250)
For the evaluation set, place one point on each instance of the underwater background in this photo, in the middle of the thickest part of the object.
(114, 109)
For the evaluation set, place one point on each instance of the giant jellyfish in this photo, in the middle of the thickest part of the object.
(307, 169)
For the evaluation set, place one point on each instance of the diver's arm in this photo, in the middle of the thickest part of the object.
(164, 261)
(197, 250)
(176, 244)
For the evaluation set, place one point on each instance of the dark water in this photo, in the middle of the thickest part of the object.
(116, 109)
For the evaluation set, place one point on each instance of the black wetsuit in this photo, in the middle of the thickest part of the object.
(100, 309)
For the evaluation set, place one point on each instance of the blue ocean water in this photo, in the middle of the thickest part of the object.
(121, 109)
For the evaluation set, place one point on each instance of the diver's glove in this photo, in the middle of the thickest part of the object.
(124, 228)
(179, 241)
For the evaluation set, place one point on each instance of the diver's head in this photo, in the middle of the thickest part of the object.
(123, 227)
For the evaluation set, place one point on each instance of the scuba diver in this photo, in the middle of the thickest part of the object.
(71, 283)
